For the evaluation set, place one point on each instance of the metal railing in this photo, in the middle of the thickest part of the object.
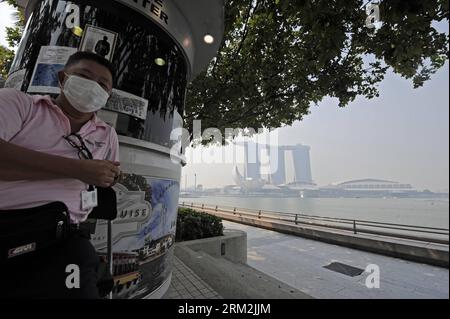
(355, 226)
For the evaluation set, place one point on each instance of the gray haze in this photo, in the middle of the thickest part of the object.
(403, 135)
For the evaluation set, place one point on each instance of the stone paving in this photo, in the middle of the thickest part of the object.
(187, 285)
(299, 262)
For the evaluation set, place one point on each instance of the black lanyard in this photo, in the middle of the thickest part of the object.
(76, 141)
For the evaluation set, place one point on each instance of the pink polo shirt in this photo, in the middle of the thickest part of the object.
(36, 123)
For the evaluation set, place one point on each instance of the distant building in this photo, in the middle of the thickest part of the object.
(368, 187)
(252, 161)
(302, 164)
(247, 184)
(279, 175)
(373, 185)
(253, 180)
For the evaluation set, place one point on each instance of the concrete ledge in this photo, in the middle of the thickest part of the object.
(235, 280)
(232, 246)
(432, 254)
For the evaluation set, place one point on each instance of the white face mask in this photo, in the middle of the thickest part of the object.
(86, 96)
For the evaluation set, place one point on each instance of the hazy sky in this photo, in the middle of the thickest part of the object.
(5, 21)
(403, 135)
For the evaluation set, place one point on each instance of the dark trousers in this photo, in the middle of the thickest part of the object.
(44, 276)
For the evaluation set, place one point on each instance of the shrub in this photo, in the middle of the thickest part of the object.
(192, 225)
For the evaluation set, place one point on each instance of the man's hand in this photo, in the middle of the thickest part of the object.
(18, 163)
(98, 173)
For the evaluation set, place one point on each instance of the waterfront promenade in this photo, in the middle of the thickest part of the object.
(187, 285)
(300, 263)
(408, 242)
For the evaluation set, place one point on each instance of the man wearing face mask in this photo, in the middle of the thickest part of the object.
(57, 150)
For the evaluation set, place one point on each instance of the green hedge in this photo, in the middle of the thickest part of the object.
(192, 225)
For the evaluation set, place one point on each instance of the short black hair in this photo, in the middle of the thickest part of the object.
(84, 55)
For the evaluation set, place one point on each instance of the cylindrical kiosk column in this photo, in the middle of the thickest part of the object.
(156, 46)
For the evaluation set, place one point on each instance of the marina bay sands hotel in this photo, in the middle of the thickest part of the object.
(277, 176)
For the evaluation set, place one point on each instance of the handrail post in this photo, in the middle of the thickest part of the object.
(296, 219)
(109, 252)
(216, 208)
(354, 227)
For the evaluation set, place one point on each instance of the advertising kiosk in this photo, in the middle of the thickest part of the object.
(156, 47)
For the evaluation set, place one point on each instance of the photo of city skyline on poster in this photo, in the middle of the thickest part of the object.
(143, 234)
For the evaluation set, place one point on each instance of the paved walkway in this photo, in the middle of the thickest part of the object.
(187, 285)
(300, 263)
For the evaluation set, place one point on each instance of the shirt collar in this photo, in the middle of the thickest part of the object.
(49, 102)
